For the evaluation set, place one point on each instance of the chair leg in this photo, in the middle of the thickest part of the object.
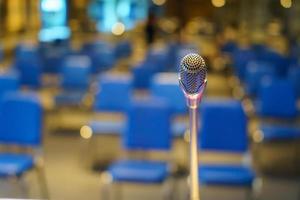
(41, 175)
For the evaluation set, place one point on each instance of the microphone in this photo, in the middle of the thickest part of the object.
(192, 80)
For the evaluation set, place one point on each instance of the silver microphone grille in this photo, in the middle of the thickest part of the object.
(192, 73)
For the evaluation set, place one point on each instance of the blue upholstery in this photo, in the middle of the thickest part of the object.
(277, 99)
(14, 164)
(224, 126)
(293, 76)
(8, 82)
(107, 127)
(139, 171)
(229, 47)
(165, 85)
(114, 93)
(230, 175)
(279, 132)
(20, 119)
(241, 58)
(257, 71)
(142, 75)
(123, 49)
(29, 64)
(279, 61)
(52, 55)
(76, 73)
(101, 54)
(148, 126)
(158, 59)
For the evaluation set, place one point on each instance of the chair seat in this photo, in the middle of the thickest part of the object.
(107, 127)
(14, 164)
(139, 171)
(276, 132)
(231, 175)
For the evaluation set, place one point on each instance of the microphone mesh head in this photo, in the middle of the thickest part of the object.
(192, 73)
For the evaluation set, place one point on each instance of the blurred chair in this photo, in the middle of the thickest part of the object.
(142, 75)
(123, 49)
(29, 65)
(276, 100)
(240, 59)
(75, 80)
(148, 129)
(256, 72)
(293, 76)
(158, 58)
(53, 55)
(165, 85)
(224, 130)
(9, 82)
(21, 118)
(102, 55)
(112, 97)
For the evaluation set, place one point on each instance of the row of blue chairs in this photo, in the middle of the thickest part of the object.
(32, 61)
(148, 128)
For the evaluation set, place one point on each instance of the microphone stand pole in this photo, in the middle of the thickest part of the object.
(193, 102)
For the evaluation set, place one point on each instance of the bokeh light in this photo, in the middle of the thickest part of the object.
(118, 28)
(286, 3)
(218, 3)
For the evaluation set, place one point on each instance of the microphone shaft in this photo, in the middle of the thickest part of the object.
(194, 178)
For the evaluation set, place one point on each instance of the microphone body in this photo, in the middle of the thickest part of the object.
(192, 80)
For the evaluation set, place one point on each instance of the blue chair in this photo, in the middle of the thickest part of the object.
(158, 58)
(75, 79)
(9, 82)
(240, 60)
(256, 72)
(123, 49)
(276, 99)
(101, 54)
(224, 129)
(142, 75)
(165, 85)
(29, 65)
(21, 118)
(148, 128)
(53, 55)
(293, 76)
(113, 93)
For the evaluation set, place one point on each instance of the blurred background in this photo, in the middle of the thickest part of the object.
(90, 106)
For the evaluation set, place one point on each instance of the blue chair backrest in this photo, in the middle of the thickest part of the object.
(101, 54)
(114, 93)
(158, 59)
(142, 75)
(294, 78)
(224, 126)
(52, 55)
(123, 49)
(76, 73)
(277, 99)
(21, 118)
(148, 125)
(29, 64)
(240, 59)
(256, 72)
(8, 82)
(165, 85)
